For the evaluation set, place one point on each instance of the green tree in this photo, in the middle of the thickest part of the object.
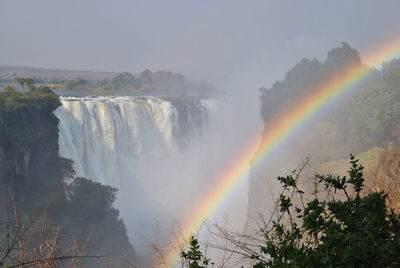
(335, 224)
(193, 257)
(123, 81)
(91, 208)
(26, 83)
(375, 110)
(344, 229)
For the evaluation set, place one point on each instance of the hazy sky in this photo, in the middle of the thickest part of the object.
(203, 38)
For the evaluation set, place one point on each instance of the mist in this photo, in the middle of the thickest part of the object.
(238, 46)
(176, 180)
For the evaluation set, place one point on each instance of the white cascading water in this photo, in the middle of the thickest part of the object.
(104, 136)
(129, 143)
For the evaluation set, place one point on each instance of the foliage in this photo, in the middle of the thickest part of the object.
(66, 168)
(342, 57)
(344, 229)
(26, 83)
(95, 198)
(193, 257)
(157, 82)
(368, 117)
(122, 81)
(17, 110)
(375, 111)
(76, 84)
(303, 77)
(91, 208)
(160, 81)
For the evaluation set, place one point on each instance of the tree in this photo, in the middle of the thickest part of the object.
(338, 226)
(26, 83)
(193, 257)
(343, 56)
(91, 208)
(375, 110)
(124, 81)
(31, 242)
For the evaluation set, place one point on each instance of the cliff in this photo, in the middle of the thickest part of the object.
(32, 171)
(29, 162)
(367, 118)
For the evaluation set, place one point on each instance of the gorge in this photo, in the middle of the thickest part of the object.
(137, 145)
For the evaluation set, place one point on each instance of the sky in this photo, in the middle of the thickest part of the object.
(208, 39)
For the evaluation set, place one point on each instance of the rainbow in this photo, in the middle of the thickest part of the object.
(276, 132)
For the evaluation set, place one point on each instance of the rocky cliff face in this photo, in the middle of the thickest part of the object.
(29, 162)
(32, 171)
(323, 138)
(365, 120)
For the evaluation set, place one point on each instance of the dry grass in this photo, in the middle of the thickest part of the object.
(387, 178)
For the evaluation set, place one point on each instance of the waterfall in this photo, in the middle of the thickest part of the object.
(137, 145)
(105, 136)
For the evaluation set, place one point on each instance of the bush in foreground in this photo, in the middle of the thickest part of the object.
(338, 226)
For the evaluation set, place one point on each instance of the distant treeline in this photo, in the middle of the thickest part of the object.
(159, 82)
